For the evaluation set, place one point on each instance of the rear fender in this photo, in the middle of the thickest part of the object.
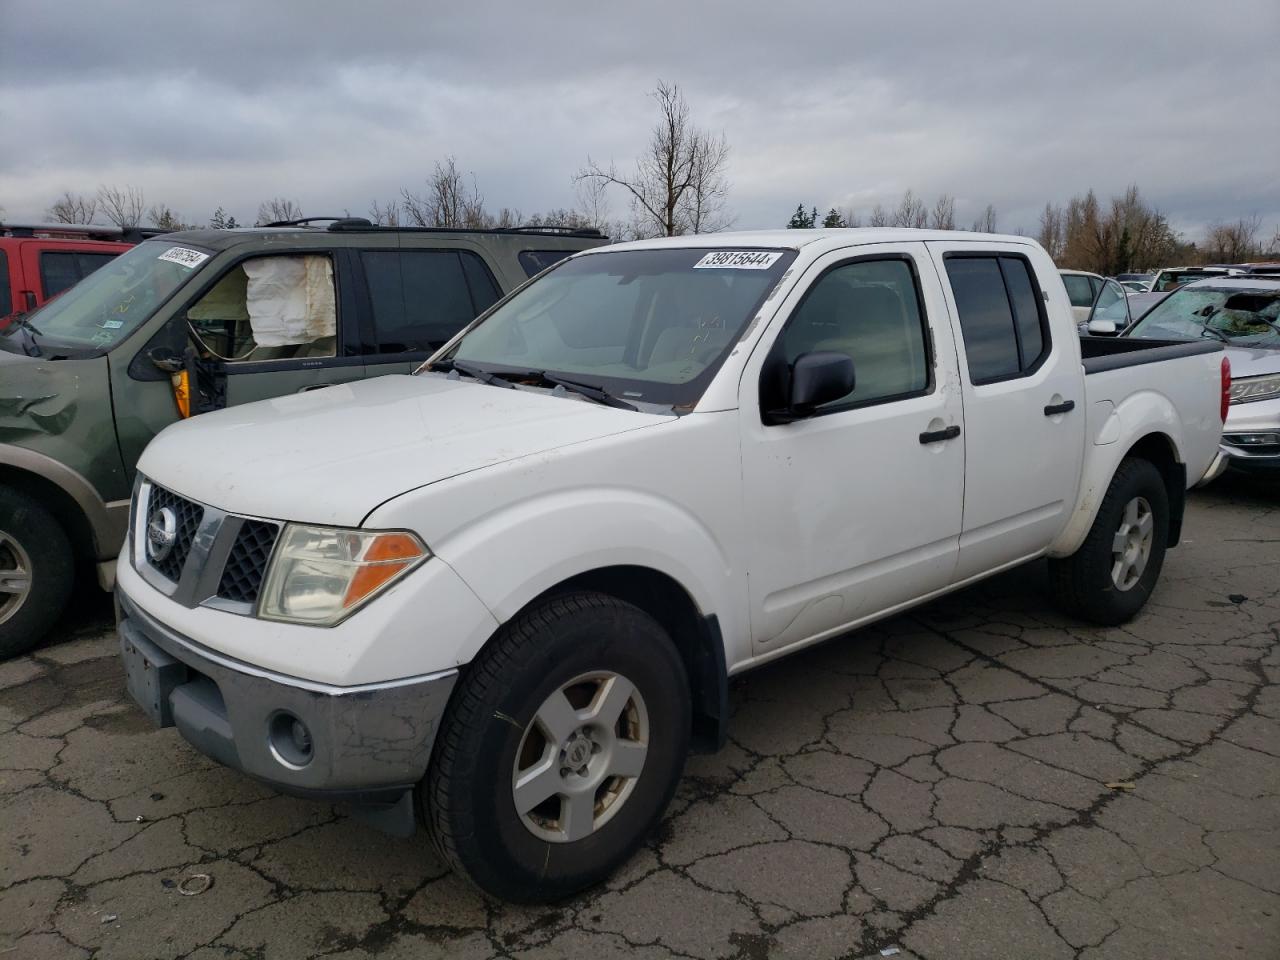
(1115, 434)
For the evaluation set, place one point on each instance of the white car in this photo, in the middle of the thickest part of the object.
(505, 595)
(1243, 312)
(1090, 292)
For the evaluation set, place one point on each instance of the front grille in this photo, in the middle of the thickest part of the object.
(187, 516)
(247, 562)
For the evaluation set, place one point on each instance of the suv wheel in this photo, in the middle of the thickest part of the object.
(560, 749)
(1109, 579)
(36, 572)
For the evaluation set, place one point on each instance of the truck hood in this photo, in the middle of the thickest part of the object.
(331, 456)
(1252, 361)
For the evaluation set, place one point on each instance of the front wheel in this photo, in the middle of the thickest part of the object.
(1109, 578)
(560, 749)
(36, 572)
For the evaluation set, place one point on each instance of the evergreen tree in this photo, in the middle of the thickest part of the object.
(221, 221)
(802, 220)
(833, 219)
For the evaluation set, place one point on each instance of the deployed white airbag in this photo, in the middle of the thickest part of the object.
(290, 300)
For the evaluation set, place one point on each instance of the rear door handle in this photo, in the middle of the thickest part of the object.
(937, 436)
(1053, 409)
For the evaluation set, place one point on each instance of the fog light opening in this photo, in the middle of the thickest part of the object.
(290, 740)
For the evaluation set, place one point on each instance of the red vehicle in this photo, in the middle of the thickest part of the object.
(38, 262)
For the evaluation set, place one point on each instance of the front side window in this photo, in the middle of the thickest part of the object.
(651, 326)
(269, 308)
(868, 310)
(113, 301)
(62, 270)
(1001, 313)
(6, 292)
(1239, 314)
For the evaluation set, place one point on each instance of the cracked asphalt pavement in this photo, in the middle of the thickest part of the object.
(981, 778)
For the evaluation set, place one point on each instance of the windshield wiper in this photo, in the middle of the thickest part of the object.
(588, 390)
(475, 373)
(30, 345)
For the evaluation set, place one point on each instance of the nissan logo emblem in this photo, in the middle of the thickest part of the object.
(162, 533)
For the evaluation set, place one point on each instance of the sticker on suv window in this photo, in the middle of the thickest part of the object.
(184, 257)
(738, 260)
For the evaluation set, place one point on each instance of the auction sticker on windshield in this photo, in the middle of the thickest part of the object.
(184, 257)
(738, 260)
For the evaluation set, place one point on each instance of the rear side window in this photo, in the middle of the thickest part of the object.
(62, 270)
(535, 261)
(1079, 290)
(6, 292)
(421, 298)
(1001, 315)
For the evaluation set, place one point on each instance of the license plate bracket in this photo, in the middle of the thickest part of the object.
(150, 674)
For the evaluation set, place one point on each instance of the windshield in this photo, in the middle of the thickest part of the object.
(1241, 314)
(1172, 279)
(650, 326)
(110, 303)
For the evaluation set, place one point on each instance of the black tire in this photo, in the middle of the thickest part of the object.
(1082, 583)
(467, 796)
(52, 572)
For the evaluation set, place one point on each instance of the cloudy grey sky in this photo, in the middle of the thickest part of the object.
(826, 103)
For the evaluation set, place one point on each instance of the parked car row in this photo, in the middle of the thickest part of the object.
(503, 597)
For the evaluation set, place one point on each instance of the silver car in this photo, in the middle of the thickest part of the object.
(1243, 312)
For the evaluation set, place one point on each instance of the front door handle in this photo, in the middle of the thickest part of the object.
(1053, 409)
(937, 436)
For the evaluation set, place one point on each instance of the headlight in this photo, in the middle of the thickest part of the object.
(1255, 388)
(319, 575)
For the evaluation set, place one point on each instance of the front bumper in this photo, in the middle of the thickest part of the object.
(367, 744)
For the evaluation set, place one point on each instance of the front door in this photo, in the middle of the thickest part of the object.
(1023, 403)
(857, 509)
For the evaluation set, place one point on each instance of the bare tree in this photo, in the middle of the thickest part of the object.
(911, 212)
(1053, 231)
(448, 201)
(385, 215)
(123, 206)
(944, 213)
(987, 222)
(278, 209)
(679, 183)
(878, 218)
(72, 208)
(851, 217)
(162, 215)
(1234, 242)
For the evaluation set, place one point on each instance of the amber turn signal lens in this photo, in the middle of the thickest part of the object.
(182, 392)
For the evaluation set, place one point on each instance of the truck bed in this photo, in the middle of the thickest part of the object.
(1111, 353)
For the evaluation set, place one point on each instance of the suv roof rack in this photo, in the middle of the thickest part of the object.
(80, 231)
(362, 223)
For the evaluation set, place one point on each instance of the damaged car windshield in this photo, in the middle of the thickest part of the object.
(646, 326)
(1237, 314)
(107, 305)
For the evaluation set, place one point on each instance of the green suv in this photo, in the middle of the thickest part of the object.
(199, 320)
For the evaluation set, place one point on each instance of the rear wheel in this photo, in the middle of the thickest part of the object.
(1109, 579)
(36, 572)
(560, 749)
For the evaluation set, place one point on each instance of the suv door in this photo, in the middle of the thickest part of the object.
(419, 296)
(857, 509)
(274, 324)
(1023, 405)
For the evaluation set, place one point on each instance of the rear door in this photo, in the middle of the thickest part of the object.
(1023, 392)
(418, 297)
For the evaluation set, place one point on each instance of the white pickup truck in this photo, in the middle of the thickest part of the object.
(503, 597)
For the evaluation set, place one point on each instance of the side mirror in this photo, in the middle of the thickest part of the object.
(166, 359)
(818, 378)
(1102, 328)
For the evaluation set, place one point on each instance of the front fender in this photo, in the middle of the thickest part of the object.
(1114, 431)
(525, 547)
